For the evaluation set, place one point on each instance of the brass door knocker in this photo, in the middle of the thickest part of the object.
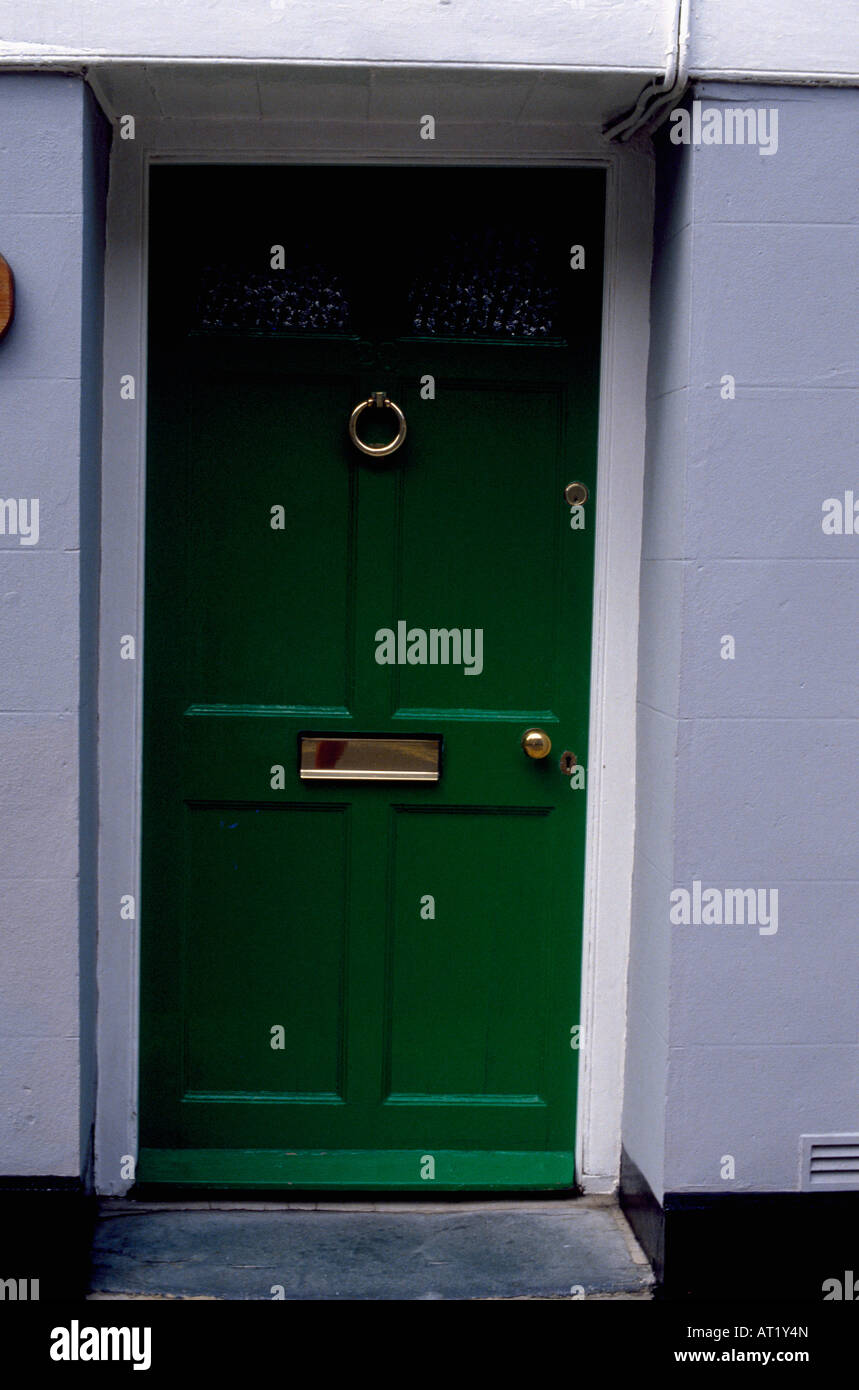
(378, 398)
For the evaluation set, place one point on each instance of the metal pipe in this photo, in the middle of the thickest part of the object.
(656, 97)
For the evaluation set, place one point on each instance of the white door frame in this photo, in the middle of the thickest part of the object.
(611, 759)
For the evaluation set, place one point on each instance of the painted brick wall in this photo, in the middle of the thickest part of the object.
(740, 1041)
(50, 182)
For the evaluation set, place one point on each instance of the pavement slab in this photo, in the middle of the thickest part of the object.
(366, 1251)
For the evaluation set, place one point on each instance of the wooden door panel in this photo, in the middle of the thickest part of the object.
(480, 526)
(266, 600)
(468, 988)
(265, 947)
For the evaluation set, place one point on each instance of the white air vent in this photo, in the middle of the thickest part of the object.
(830, 1162)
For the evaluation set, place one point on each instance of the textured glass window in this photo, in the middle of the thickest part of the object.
(303, 296)
(490, 283)
(486, 284)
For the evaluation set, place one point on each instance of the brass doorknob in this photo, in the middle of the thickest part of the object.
(536, 743)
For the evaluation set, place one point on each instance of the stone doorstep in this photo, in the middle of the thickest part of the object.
(132, 1241)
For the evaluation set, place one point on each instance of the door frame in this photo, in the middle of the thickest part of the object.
(620, 465)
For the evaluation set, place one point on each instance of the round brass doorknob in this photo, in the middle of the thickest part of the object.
(536, 743)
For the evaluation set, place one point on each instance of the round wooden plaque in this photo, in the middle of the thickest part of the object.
(7, 296)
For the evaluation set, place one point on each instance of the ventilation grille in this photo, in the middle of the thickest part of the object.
(830, 1162)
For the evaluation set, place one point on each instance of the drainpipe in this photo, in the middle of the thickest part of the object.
(658, 97)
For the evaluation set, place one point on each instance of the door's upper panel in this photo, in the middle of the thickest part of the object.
(464, 255)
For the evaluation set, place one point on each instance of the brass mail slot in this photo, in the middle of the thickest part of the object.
(369, 757)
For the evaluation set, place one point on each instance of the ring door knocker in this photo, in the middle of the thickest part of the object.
(378, 398)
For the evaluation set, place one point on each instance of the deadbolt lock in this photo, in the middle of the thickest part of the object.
(567, 762)
(576, 494)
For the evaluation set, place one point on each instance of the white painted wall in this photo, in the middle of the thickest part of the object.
(593, 33)
(49, 426)
(741, 1043)
(763, 37)
(774, 38)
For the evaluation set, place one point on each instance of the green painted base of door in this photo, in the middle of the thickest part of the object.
(453, 1169)
(342, 981)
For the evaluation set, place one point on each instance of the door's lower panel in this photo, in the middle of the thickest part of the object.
(357, 1168)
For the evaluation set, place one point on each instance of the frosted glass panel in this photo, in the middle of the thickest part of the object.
(303, 296)
(487, 284)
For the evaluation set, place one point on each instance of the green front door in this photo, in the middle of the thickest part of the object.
(366, 983)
